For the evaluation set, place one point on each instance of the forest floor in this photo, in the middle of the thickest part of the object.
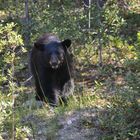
(96, 111)
(78, 123)
(75, 125)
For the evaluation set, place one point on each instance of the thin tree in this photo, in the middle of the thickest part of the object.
(27, 26)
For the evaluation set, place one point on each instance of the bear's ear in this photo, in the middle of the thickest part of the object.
(39, 46)
(66, 43)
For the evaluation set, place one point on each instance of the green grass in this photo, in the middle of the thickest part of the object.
(121, 118)
(118, 114)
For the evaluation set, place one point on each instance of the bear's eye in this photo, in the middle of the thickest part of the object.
(48, 55)
(62, 57)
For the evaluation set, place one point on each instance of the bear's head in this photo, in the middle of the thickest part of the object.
(54, 52)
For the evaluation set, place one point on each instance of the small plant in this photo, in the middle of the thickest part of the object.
(10, 50)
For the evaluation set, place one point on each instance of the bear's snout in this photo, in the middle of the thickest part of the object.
(54, 62)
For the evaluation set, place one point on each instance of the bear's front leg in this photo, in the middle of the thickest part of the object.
(45, 91)
(50, 95)
(53, 98)
(68, 90)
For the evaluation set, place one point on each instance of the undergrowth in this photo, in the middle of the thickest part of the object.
(113, 91)
(118, 113)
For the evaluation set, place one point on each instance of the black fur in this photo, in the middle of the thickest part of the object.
(51, 81)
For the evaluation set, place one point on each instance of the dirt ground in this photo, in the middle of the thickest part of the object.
(75, 125)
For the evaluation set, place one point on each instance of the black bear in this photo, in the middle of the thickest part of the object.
(52, 69)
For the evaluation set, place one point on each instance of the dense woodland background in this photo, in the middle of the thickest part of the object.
(105, 38)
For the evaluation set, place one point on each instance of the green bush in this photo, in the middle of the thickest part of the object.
(11, 50)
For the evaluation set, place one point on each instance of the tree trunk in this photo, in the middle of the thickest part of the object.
(27, 26)
(100, 49)
(99, 35)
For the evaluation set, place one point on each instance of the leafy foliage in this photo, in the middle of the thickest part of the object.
(10, 50)
(108, 30)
